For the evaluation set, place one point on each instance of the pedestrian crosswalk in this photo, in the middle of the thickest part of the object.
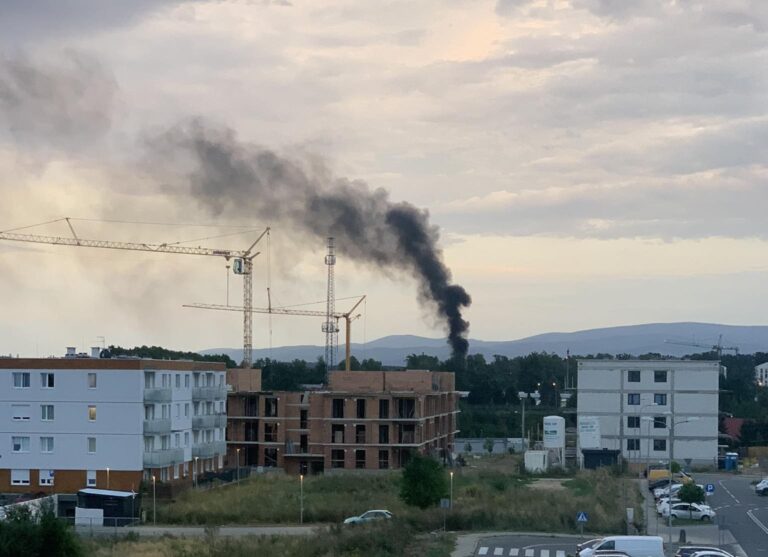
(519, 552)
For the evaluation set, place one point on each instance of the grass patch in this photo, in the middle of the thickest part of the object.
(581, 487)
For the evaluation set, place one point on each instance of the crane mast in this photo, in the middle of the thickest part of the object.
(330, 328)
(243, 264)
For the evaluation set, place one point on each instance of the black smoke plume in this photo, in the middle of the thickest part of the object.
(226, 175)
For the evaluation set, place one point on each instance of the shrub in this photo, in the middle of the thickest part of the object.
(423, 482)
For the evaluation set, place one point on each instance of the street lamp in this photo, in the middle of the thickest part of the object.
(154, 501)
(451, 500)
(107, 477)
(672, 425)
(301, 498)
(238, 463)
(648, 437)
(194, 473)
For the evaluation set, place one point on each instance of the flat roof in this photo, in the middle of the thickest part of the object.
(107, 492)
(110, 363)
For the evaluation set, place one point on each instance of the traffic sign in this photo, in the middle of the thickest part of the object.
(582, 517)
(710, 488)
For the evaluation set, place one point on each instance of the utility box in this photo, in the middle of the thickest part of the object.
(536, 461)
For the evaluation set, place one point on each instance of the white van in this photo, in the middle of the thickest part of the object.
(634, 546)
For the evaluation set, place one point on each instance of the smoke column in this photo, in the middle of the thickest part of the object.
(226, 175)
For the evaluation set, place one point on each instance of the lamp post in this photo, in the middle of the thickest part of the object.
(451, 499)
(301, 498)
(154, 501)
(107, 477)
(672, 425)
(238, 463)
(648, 437)
(194, 473)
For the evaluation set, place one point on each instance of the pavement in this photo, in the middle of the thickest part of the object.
(196, 531)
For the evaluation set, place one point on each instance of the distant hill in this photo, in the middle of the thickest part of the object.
(631, 339)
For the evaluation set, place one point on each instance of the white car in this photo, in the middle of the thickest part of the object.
(664, 504)
(664, 491)
(369, 516)
(762, 487)
(711, 553)
(693, 511)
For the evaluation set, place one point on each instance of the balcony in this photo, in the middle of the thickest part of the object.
(163, 457)
(209, 393)
(209, 421)
(209, 450)
(159, 394)
(157, 426)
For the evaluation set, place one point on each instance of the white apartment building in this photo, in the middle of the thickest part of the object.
(761, 375)
(648, 409)
(75, 422)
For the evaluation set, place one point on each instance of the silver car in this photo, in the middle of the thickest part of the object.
(369, 516)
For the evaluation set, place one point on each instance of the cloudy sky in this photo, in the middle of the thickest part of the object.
(589, 162)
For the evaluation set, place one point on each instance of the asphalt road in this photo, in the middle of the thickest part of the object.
(527, 546)
(740, 510)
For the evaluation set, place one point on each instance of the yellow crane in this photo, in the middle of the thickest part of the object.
(347, 316)
(242, 263)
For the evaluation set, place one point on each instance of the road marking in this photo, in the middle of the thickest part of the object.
(483, 551)
(544, 553)
(560, 553)
(498, 551)
(529, 552)
(514, 552)
(728, 491)
(759, 524)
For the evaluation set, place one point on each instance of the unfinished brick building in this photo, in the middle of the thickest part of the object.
(368, 420)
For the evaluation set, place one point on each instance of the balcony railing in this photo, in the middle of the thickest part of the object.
(157, 426)
(209, 420)
(159, 394)
(217, 392)
(163, 457)
(208, 450)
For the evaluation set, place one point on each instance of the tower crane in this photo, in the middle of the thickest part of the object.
(348, 317)
(242, 264)
(717, 348)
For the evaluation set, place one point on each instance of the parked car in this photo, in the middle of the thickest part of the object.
(665, 491)
(664, 503)
(609, 553)
(656, 484)
(633, 546)
(587, 544)
(693, 511)
(711, 553)
(689, 550)
(369, 516)
(762, 487)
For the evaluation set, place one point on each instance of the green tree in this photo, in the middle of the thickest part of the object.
(37, 535)
(467, 447)
(423, 482)
(675, 467)
(691, 493)
(488, 445)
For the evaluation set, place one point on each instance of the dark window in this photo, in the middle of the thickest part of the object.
(270, 407)
(251, 406)
(270, 433)
(633, 422)
(270, 458)
(337, 433)
(337, 458)
(659, 444)
(660, 399)
(383, 460)
(633, 376)
(302, 419)
(407, 434)
(406, 408)
(360, 434)
(660, 376)
(338, 408)
(304, 444)
(360, 458)
(608, 545)
(633, 444)
(361, 408)
(384, 434)
(383, 409)
(251, 431)
(660, 422)
(633, 399)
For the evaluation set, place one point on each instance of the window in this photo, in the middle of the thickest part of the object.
(337, 458)
(270, 407)
(660, 422)
(186, 380)
(660, 376)
(270, 433)
(270, 458)
(633, 444)
(91, 445)
(633, 376)
(91, 413)
(20, 444)
(149, 379)
(659, 444)
(186, 439)
(176, 440)
(178, 380)
(384, 434)
(660, 399)
(633, 399)
(90, 478)
(361, 408)
(633, 422)
(337, 433)
(91, 380)
(46, 380)
(46, 477)
(383, 460)
(21, 379)
(303, 419)
(360, 434)
(46, 444)
(383, 409)
(19, 477)
(337, 410)
(46, 411)
(360, 459)
(607, 545)
(178, 409)
(186, 410)
(20, 412)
